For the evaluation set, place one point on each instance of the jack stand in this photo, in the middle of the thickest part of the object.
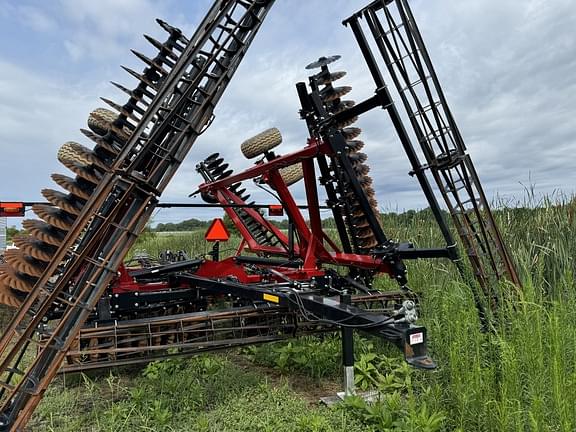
(348, 366)
(347, 354)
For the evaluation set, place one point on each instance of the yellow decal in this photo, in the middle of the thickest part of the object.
(271, 298)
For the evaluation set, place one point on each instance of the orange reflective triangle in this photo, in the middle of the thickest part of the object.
(217, 231)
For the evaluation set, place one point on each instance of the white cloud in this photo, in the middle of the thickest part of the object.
(36, 19)
(508, 71)
(36, 117)
(106, 29)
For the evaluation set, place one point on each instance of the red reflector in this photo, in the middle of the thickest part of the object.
(11, 209)
(275, 210)
(217, 231)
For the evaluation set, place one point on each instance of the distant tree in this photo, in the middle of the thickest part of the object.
(11, 232)
(187, 225)
(230, 225)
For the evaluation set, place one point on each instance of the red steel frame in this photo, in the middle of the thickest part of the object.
(312, 240)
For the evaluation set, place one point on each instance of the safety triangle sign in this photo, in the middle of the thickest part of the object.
(217, 231)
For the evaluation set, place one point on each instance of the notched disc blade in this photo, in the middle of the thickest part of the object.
(360, 168)
(24, 263)
(15, 279)
(343, 105)
(8, 297)
(323, 61)
(346, 123)
(66, 202)
(35, 248)
(324, 79)
(330, 94)
(83, 171)
(54, 216)
(351, 133)
(357, 157)
(44, 232)
(72, 186)
(355, 145)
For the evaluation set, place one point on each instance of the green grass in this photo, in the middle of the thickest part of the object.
(203, 394)
(522, 377)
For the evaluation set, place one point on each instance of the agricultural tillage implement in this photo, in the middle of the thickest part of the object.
(79, 307)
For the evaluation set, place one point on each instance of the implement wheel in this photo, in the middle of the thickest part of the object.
(292, 174)
(261, 143)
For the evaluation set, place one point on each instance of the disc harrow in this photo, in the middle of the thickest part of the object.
(80, 304)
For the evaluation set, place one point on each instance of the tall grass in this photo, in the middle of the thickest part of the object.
(522, 376)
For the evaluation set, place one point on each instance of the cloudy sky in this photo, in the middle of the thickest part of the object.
(508, 69)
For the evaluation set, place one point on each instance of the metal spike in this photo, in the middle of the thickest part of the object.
(174, 32)
(163, 48)
(168, 27)
(151, 63)
(100, 141)
(139, 77)
(133, 93)
(121, 109)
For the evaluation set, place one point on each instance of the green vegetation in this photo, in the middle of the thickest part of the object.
(11, 232)
(187, 225)
(522, 377)
(203, 394)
